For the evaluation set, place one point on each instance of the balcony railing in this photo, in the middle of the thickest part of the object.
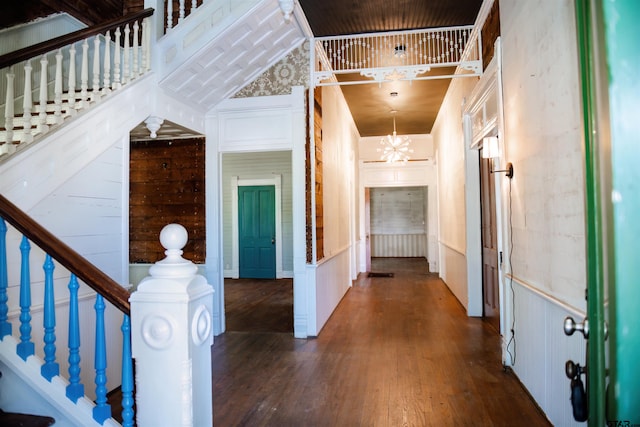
(400, 55)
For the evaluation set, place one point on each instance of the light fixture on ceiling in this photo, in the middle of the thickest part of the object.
(400, 51)
(395, 148)
(491, 151)
(287, 9)
(153, 124)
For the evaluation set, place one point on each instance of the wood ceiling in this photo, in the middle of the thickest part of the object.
(341, 17)
(417, 103)
(90, 12)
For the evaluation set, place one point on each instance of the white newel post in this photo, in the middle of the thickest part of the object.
(171, 338)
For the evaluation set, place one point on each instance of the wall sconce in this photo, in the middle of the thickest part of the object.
(490, 151)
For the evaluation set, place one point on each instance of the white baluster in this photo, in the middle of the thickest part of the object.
(71, 94)
(169, 15)
(84, 73)
(95, 95)
(27, 103)
(145, 46)
(194, 6)
(8, 110)
(57, 89)
(181, 12)
(106, 85)
(42, 107)
(125, 60)
(116, 61)
(136, 67)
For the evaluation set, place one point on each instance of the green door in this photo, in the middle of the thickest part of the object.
(608, 34)
(257, 231)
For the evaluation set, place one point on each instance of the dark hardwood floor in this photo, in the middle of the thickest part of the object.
(397, 351)
(258, 305)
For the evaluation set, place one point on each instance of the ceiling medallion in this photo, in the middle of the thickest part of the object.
(395, 148)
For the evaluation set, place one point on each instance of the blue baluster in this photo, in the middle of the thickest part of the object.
(102, 410)
(75, 389)
(127, 374)
(25, 347)
(5, 326)
(50, 368)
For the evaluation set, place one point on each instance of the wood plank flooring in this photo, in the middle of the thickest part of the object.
(258, 305)
(397, 351)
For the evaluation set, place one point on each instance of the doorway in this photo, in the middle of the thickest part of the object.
(489, 236)
(397, 225)
(257, 242)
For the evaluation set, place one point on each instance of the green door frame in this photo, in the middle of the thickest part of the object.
(609, 59)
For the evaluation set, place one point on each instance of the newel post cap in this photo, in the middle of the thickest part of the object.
(173, 238)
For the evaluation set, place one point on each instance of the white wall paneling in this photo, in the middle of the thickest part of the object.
(398, 245)
(541, 349)
(333, 279)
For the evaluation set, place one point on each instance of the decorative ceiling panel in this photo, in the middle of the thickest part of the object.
(235, 58)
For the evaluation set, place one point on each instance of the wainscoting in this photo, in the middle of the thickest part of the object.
(541, 349)
(398, 245)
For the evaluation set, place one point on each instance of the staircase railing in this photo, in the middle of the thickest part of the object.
(87, 65)
(79, 268)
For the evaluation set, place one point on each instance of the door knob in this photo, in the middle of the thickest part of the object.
(273, 240)
(570, 326)
(574, 369)
(578, 392)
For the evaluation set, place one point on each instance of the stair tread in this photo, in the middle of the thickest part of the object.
(13, 419)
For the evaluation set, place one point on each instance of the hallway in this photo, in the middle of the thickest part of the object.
(397, 351)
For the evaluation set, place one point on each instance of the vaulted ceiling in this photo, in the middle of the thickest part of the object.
(416, 103)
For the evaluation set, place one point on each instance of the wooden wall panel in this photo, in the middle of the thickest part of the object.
(490, 32)
(166, 186)
(307, 187)
(318, 175)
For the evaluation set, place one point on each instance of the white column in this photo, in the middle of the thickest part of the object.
(171, 336)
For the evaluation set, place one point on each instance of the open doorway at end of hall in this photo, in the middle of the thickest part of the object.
(396, 222)
(257, 241)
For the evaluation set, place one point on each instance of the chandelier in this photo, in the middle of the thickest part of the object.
(395, 148)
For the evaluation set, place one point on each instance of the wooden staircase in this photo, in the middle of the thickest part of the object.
(71, 73)
(13, 419)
